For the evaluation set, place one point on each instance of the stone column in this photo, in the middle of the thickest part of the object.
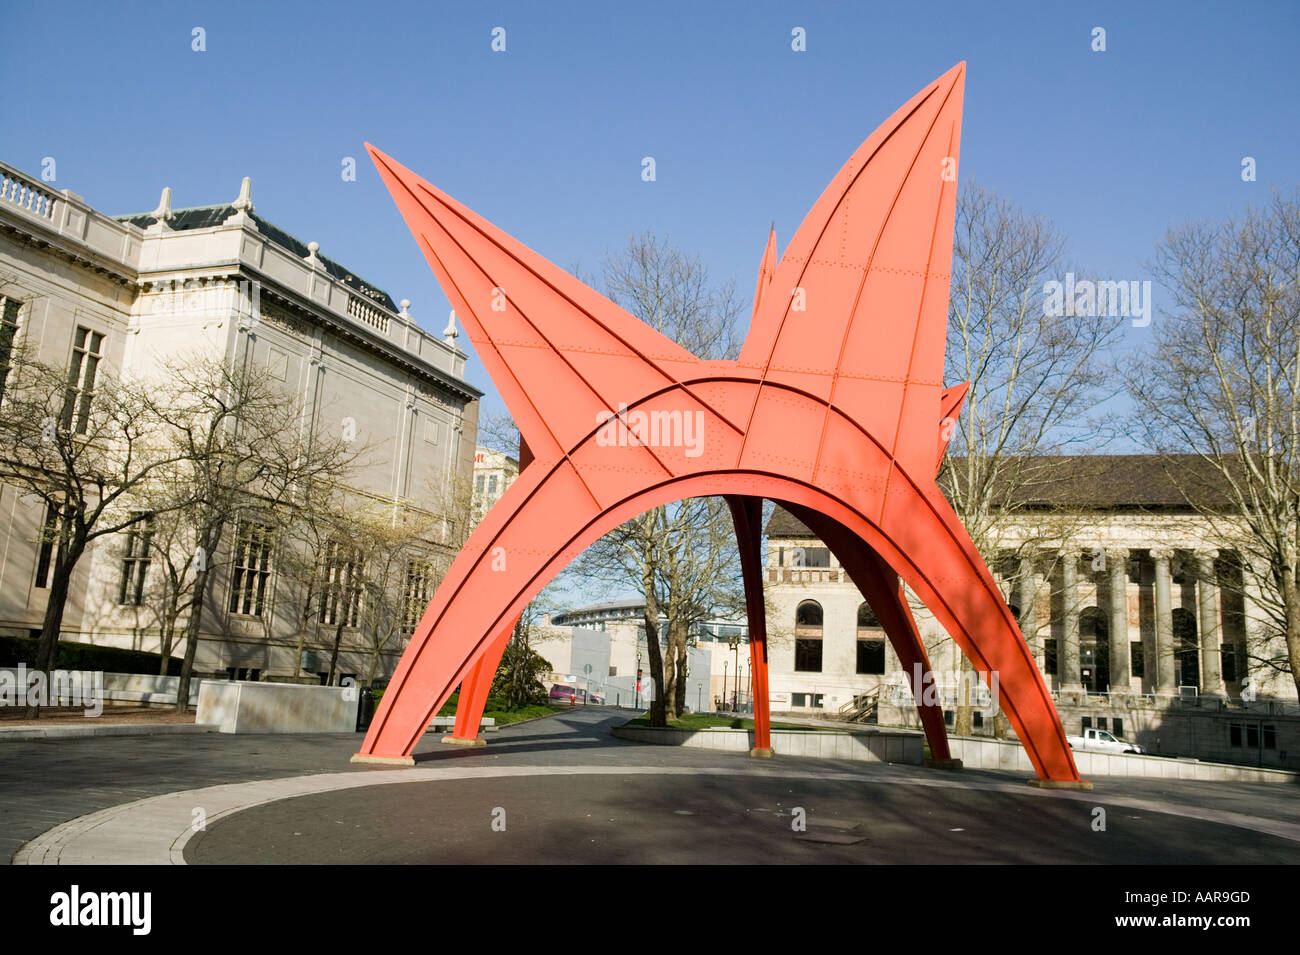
(1117, 564)
(1164, 661)
(1067, 657)
(1026, 594)
(1207, 603)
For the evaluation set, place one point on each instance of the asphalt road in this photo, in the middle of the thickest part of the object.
(879, 814)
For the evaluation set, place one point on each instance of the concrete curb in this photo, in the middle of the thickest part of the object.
(82, 730)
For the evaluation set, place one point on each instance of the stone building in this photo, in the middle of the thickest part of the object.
(493, 473)
(140, 292)
(1141, 620)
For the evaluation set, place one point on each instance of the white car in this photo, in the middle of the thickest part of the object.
(1099, 741)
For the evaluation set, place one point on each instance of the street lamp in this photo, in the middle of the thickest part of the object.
(733, 640)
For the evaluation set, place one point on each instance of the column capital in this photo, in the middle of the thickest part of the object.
(1117, 554)
(1164, 554)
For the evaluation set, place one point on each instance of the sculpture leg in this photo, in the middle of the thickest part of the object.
(747, 514)
(474, 693)
(883, 590)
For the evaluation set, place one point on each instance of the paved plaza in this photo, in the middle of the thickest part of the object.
(562, 790)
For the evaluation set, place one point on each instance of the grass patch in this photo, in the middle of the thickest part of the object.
(704, 721)
(496, 710)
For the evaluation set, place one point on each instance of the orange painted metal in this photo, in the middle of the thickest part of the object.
(835, 408)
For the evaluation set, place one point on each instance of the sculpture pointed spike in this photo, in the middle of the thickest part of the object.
(950, 405)
(548, 341)
(851, 304)
(765, 269)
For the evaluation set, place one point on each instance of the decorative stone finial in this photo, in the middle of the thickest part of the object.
(243, 206)
(450, 332)
(163, 213)
(312, 258)
(245, 201)
(406, 304)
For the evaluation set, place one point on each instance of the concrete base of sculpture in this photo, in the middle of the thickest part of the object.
(457, 741)
(950, 764)
(391, 762)
(243, 706)
(1061, 783)
(760, 752)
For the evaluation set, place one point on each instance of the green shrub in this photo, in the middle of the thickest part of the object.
(84, 656)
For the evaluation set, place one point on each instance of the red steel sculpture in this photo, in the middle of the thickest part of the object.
(835, 409)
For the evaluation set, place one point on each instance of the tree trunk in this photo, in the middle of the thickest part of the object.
(654, 656)
(670, 678)
(167, 637)
(334, 652)
(1291, 601)
(680, 696)
(52, 624)
(192, 638)
(964, 720)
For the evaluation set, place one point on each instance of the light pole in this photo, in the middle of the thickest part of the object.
(734, 641)
(725, 664)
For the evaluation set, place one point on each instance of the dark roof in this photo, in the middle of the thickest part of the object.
(1101, 482)
(205, 217)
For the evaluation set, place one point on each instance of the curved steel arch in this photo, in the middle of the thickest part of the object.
(835, 408)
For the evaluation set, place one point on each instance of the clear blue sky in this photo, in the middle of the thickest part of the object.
(546, 139)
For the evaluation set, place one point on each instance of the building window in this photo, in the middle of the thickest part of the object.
(1136, 660)
(492, 484)
(1234, 734)
(1229, 663)
(252, 568)
(478, 484)
(871, 645)
(808, 637)
(806, 699)
(1049, 656)
(1117, 727)
(47, 547)
(1270, 736)
(340, 598)
(812, 557)
(871, 657)
(135, 561)
(8, 329)
(1186, 650)
(87, 350)
(418, 576)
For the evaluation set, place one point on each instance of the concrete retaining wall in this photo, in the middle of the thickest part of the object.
(864, 747)
(132, 687)
(1007, 755)
(244, 706)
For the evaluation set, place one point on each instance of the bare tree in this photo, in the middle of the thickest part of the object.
(82, 442)
(1221, 379)
(1035, 378)
(674, 554)
(244, 451)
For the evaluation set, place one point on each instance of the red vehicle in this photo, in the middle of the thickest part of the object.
(562, 692)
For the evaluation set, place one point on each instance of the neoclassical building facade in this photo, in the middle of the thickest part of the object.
(1134, 607)
(89, 291)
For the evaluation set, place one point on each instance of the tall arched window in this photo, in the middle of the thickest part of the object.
(871, 641)
(808, 637)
